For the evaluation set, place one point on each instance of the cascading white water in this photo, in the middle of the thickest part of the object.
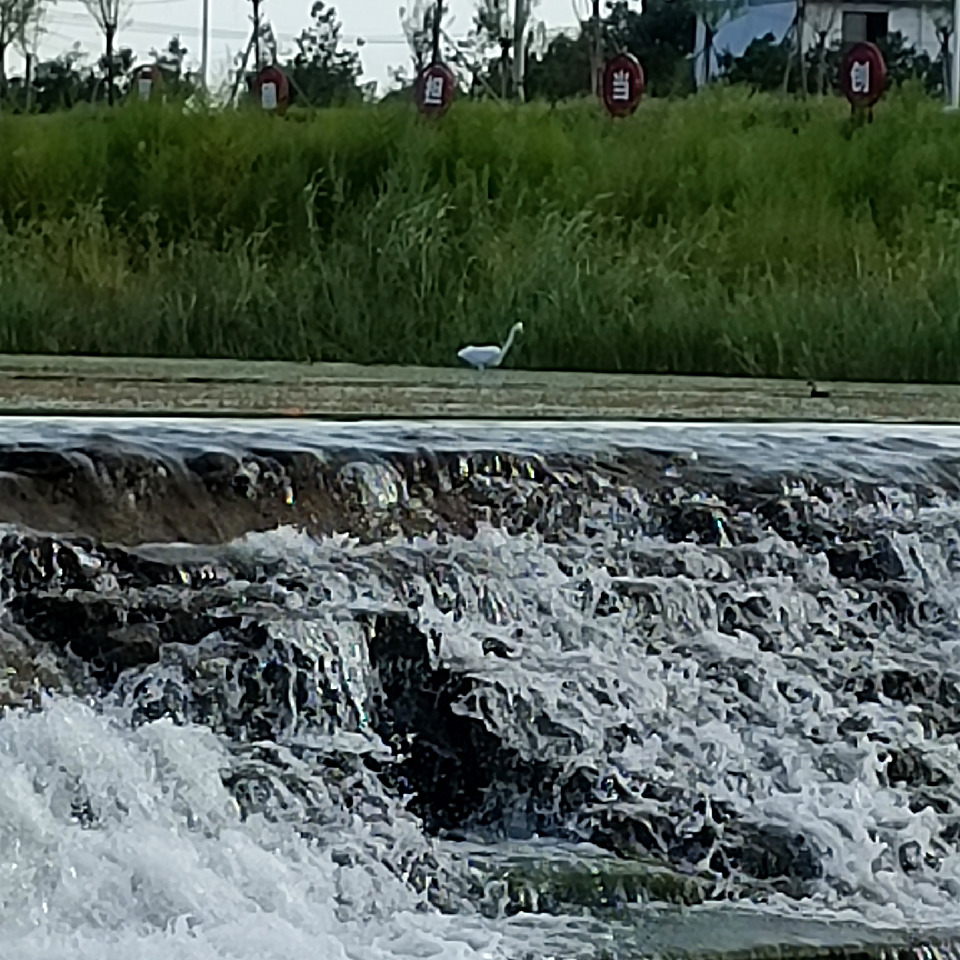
(168, 869)
(776, 666)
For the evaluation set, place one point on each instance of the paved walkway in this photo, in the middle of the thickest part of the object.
(132, 387)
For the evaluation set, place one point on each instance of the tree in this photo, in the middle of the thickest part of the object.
(62, 82)
(109, 15)
(502, 31)
(822, 22)
(114, 72)
(765, 59)
(491, 32)
(904, 62)
(169, 61)
(27, 41)
(320, 71)
(761, 66)
(417, 23)
(661, 37)
(16, 18)
(562, 71)
(943, 24)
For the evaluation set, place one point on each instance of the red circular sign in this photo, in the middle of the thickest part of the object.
(271, 90)
(863, 74)
(435, 88)
(622, 84)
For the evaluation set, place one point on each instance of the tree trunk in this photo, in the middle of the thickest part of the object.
(822, 63)
(789, 66)
(111, 29)
(504, 64)
(3, 63)
(596, 52)
(435, 41)
(28, 72)
(256, 35)
(242, 70)
(946, 55)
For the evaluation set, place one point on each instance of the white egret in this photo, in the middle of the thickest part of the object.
(489, 356)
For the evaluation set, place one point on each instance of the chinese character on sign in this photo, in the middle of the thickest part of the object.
(268, 96)
(433, 92)
(621, 86)
(860, 77)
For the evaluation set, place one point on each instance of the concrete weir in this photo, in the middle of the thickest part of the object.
(104, 386)
(624, 634)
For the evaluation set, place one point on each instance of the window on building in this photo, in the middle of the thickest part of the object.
(877, 26)
(858, 26)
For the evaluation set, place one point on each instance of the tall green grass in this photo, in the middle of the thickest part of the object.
(724, 234)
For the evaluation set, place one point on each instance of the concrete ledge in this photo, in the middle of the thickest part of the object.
(95, 386)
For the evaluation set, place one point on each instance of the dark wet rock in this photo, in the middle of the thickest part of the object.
(110, 635)
(449, 761)
(458, 770)
(876, 561)
(210, 638)
(45, 463)
(690, 520)
(768, 853)
(910, 856)
(27, 670)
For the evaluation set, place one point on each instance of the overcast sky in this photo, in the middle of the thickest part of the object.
(377, 22)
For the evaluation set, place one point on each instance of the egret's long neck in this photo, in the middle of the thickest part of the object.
(509, 343)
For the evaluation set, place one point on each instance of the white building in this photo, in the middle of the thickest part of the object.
(841, 22)
(844, 23)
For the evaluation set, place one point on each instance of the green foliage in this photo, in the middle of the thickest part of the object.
(661, 37)
(68, 80)
(720, 234)
(762, 66)
(561, 73)
(321, 73)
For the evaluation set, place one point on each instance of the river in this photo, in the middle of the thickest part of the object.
(477, 690)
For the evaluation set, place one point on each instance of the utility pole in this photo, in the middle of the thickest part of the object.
(801, 53)
(437, 17)
(596, 55)
(519, 28)
(205, 48)
(29, 40)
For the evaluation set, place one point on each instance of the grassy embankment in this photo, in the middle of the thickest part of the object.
(718, 235)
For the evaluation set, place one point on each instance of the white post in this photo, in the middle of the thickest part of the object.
(205, 46)
(700, 54)
(955, 86)
(519, 28)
